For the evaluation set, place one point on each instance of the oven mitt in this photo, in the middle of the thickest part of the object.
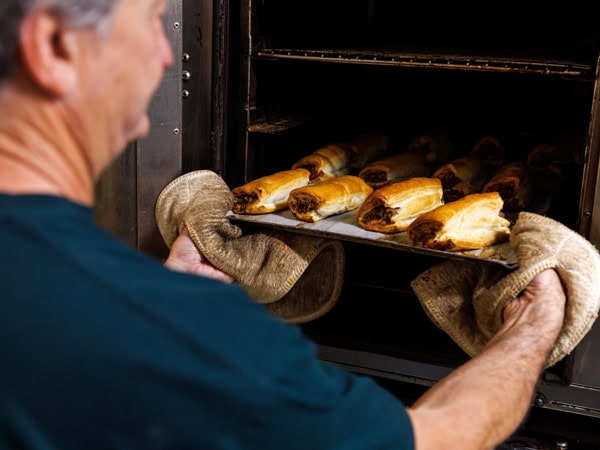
(298, 277)
(466, 299)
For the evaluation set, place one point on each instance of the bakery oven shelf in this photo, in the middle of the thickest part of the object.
(432, 61)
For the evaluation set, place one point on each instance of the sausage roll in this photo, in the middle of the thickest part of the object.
(367, 147)
(511, 181)
(326, 162)
(434, 148)
(543, 157)
(269, 193)
(394, 207)
(489, 150)
(461, 177)
(469, 223)
(318, 201)
(395, 168)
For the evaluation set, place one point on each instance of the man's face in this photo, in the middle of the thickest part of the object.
(122, 70)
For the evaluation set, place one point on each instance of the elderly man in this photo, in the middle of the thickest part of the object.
(105, 348)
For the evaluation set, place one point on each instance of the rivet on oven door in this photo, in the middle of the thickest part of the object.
(185, 93)
(176, 131)
(186, 57)
(540, 400)
(186, 75)
(176, 25)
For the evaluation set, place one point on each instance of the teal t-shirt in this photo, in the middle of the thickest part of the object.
(101, 347)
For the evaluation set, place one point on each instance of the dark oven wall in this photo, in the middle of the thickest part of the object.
(300, 75)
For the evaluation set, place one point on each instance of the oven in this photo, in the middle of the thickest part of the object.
(259, 84)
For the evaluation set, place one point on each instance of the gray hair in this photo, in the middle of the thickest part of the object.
(73, 13)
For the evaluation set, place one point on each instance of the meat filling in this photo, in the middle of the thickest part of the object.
(241, 201)
(449, 179)
(424, 234)
(381, 214)
(375, 178)
(451, 195)
(302, 205)
(423, 146)
(312, 168)
(506, 190)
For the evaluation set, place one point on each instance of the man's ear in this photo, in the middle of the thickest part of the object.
(48, 52)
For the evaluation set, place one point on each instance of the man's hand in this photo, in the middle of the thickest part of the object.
(185, 257)
(537, 313)
(485, 399)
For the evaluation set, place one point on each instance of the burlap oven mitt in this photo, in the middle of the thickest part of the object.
(297, 277)
(466, 299)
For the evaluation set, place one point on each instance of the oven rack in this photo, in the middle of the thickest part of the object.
(560, 68)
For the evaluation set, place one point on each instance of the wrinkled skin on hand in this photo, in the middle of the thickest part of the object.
(541, 306)
(185, 257)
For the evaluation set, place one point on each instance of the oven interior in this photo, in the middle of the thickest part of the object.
(312, 74)
(301, 75)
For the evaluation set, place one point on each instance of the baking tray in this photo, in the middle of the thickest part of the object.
(345, 227)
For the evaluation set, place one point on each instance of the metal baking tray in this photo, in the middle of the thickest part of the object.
(345, 227)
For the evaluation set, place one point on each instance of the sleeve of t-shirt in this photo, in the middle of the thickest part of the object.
(286, 398)
(223, 373)
(326, 407)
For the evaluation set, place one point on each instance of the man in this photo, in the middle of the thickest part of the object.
(104, 348)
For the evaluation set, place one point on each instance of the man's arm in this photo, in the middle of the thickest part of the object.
(482, 402)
